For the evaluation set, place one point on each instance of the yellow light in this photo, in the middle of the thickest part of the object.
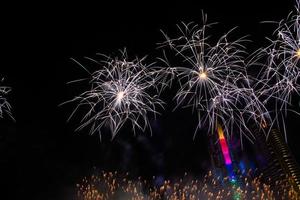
(220, 132)
(120, 95)
(202, 75)
(298, 53)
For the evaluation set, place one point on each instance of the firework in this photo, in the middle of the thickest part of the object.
(279, 76)
(120, 91)
(213, 80)
(5, 107)
(112, 185)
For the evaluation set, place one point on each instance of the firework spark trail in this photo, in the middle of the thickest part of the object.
(213, 80)
(279, 76)
(120, 91)
(5, 107)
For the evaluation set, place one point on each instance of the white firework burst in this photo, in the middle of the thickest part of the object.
(5, 107)
(279, 76)
(213, 80)
(120, 91)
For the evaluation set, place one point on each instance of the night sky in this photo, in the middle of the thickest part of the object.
(47, 157)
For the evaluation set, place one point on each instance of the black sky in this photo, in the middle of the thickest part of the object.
(46, 158)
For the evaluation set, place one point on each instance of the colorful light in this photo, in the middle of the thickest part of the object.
(224, 146)
(113, 185)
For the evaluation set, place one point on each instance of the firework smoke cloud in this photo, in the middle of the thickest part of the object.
(120, 91)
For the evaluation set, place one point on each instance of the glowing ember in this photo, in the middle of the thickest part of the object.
(298, 53)
(202, 75)
(111, 185)
(120, 96)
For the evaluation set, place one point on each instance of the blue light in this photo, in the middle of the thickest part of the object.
(232, 179)
(242, 167)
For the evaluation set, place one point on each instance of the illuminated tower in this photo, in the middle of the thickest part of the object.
(221, 157)
(277, 163)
